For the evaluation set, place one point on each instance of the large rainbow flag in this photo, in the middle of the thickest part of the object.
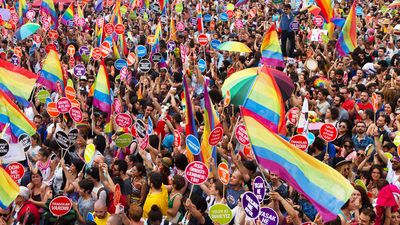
(22, 9)
(157, 37)
(271, 49)
(9, 189)
(16, 82)
(323, 186)
(211, 121)
(101, 95)
(189, 120)
(326, 9)
(347, 40)
(12, 115)
(52, 72)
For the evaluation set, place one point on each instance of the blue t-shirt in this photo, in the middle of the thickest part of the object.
(232, 197)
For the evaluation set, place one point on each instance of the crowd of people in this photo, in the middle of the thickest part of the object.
(152, 180)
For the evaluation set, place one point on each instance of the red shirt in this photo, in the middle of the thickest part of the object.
(348, 105)
(363, 107)
(32, 209)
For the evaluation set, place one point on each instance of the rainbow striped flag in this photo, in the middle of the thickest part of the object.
(52, 72)
(12, 115)
(157, 36)
(9, 189)
(271, 108)
(99, 30)
(121, 41)
(241, 2)
(48, 7)
(190, 127)
(200, 26)
(80, 11)
(101, 95)
(22, 9)
(16, 82)
(271, 49)
(326, 9)
(211, 121)
(324, 187)
(68, 14)
(115, 50)
(172, 30)
(347, 40)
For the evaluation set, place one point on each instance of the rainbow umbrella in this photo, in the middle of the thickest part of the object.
(234, 46)
(240, 83)
(26, 30)
(395, 4)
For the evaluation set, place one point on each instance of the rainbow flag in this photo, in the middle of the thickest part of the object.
(271, 108)
(199, 18)
(241, 2)
(116, 11)
(52, 72)
(271, 49)
(48, 7)
(157, 36)
(115, 50)
(347, 40)
(9, 189)
(172, 30)
(68, 14)
(123, 49)
(16, 82)
(22, 9)
(189, 120)
(80, 12)
(12, 115)
(99, 30)
(101, 95)
(326, 9)
(324, 187)
(211, 121)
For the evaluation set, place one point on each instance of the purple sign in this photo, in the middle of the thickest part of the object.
(171, 45)
(15, 60)
(268, 216)
(84, 50)
(259, 188)
(70, 23)
(294, 26)
(193, 21)
(251, 205)
(79, 70)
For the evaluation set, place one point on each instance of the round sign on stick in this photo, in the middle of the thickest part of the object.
(96, 53)
(196, 172)
(76, 114)
(202, 39)
(241, 135)
(70, 92)
(140, 128)
(52, 109)
(300, 141)
(119, 28)
(216, 136)
(223, 173)
(193, 144)
(328, 132)
(73, 135)
(123, 120)
(4, 147)
(62, 139)
(221, 214)
(131, 59)
(79, 70)
(251, 205)
(89, 153)
(15, 170)
(145, 65)
(60, 206)
(293, 115)
(25, 140)
(268, 216)
(109, 28)
(144, 142)
(105, 49)
(64, 105)
(259, 188)
(124, 140)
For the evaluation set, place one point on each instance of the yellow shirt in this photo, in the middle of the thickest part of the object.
(160, 199)
(101, 221)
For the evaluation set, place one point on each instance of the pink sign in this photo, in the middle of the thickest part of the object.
(64, 105)
(76, 114)
(196, 172)
(300, 142)
(215, 136)
(328, 132)
(241, 135)
(123, 120)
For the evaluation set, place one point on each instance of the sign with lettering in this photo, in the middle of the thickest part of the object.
(196, 172)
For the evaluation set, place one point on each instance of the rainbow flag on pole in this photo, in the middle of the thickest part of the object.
(22, 9)
(326, 9)
(157, 36)
(68, 14)
(52, 72)
(211, 121)
(12, 115)
(190, 127)
(347, 40)
(271, 49)
(200, 26)
(323, 186)
(48, 7)
(101, 95)
(16, 82)
(9, 189)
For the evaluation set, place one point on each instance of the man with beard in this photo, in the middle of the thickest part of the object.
(337, 103)
(361, 140)
(363, 105)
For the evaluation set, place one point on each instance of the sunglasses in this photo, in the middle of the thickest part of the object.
(360, 154)
(348, 146)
